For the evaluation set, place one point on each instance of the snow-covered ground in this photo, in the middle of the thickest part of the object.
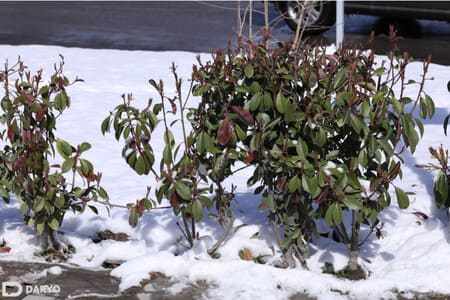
(413, 255)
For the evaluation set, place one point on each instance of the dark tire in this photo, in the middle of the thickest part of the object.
(318, 15)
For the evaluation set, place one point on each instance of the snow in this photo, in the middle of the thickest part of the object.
(412, 256)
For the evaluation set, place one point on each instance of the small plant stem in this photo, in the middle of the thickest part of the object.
(354, 247)
(250, 20)
(222, 237)
(187, 232)
(299, 30)
(180, 101)
(422, 83)
(266, 24)
(107, 203)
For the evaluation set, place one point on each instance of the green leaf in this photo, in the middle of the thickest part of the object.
(64, 148)
(182, 190)
(105, 125)
(157, 108)
(397, 105)
(267, 101)
(141, 166)
(286, 242)
(167, 155)
(168, 138)
(61, 101)
(255, 101)
(86, 167)
(430, 106)
(249, 71)
(133, 218)
(94, 209)
(59, 201)
(39, 203)
(302, 149)
(337, 214)
(423, 108)
(352, 203)
(40, 228)
(402, 198)
(340, 78)
(281, 103)
(197, 210)
(53, 224)
(441, 189)
(68, 164)
(332, 155)
(365, 108)
(84, 147)
(102, 193)
(268, 200)
(240, 133)
(294, 184)
(354, 122)
(446, 123)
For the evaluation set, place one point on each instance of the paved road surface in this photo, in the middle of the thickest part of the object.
(197, 26)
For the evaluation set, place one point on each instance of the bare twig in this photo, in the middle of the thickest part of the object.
(222, 238)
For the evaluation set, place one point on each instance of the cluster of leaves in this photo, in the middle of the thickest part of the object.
(324, 134)
(441, 186)
(316, 128)
(29, 113)
(178, 173)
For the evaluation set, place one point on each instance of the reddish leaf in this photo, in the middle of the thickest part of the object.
(26, 136)
(29, 99)
(5, 249)
(141, 207)
(91, 177)
(245, 254)
(244, 115)
(323, 195)
(40, 113)
(10, 133)
(224, 133)
(250, 157)
(421, 215)
(174, 200)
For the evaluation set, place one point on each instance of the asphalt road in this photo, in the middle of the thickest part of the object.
(197, 26)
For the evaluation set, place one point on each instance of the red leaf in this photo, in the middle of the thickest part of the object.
(10, 133)
(91, 177)
(26, 136)
(225, 133)
(244, 114)
(421, 215)
(5, 249)
(174, 200)
(29, 99)
(323, 195)
(40, 113)
(250, 157)
(141, 207)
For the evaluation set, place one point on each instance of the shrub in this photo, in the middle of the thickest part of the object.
(30, 110)
(324, 134)
(316, 128)
(180, 174)
(441, 186)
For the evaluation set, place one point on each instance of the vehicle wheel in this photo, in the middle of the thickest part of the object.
(317, 17)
